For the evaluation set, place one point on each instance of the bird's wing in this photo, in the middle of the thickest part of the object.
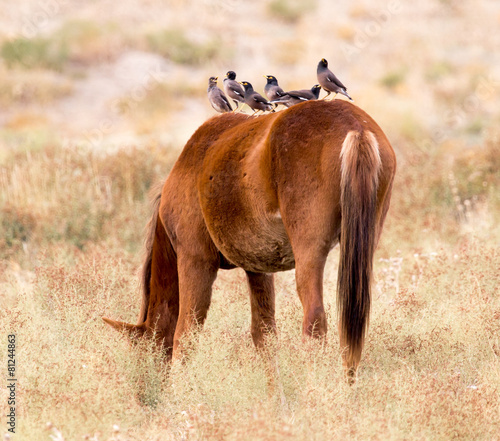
(280, 92)
(223, 98)
(331, 77)
(220, 99)
(236, 91)
(301, 94)
(260, 98)
(236, 88)
(275, 93)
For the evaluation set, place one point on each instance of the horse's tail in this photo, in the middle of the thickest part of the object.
(360, 166)
(153, 229)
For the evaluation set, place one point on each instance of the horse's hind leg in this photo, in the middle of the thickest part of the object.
(311, 222)
(262, 301)
(309, 266)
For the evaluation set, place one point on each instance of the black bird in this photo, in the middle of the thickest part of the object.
(233, 89)
(272, 90)
(299, 96)
(329, 81)
(254, 100)
(217, 98)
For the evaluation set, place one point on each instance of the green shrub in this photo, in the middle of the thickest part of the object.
(393, 79)
(439, 70)
(16, 226)
(34, 52)
(290, 10)
(174, 44)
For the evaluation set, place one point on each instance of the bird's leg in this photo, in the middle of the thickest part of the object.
(255, 113)
(236, 106)
(334, 96)
(327, 95)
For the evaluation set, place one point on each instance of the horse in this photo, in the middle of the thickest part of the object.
(268, 194)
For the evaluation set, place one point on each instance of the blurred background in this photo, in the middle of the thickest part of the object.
(107, 76)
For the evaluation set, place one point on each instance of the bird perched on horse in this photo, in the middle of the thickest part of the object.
(233, 89)
(272, 89)
(217, 98)
(329, 82)
(299, 96)
(255, 100)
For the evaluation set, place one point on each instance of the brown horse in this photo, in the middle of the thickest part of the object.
(269, 194)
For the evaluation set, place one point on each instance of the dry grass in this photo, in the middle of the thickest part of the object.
(32, 86)
(431, 364)
(76, 197)
(425, 375)
(72, 216)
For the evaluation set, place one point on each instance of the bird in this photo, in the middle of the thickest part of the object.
(272, 90)
(217, 98)
(299, 96)
(254, 100)
(233, 89)
(329, 82)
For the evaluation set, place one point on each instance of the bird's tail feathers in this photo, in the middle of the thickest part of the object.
(281, 100)
(344, 92)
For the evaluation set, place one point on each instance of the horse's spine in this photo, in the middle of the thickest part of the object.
(360, 166)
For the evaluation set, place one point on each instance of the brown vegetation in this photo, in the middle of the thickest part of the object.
(72, 213)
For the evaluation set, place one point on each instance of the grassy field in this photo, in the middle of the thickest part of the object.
(94, 111)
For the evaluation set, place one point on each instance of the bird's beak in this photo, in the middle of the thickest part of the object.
(216, 78)
(265, 76)
(240, 82)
